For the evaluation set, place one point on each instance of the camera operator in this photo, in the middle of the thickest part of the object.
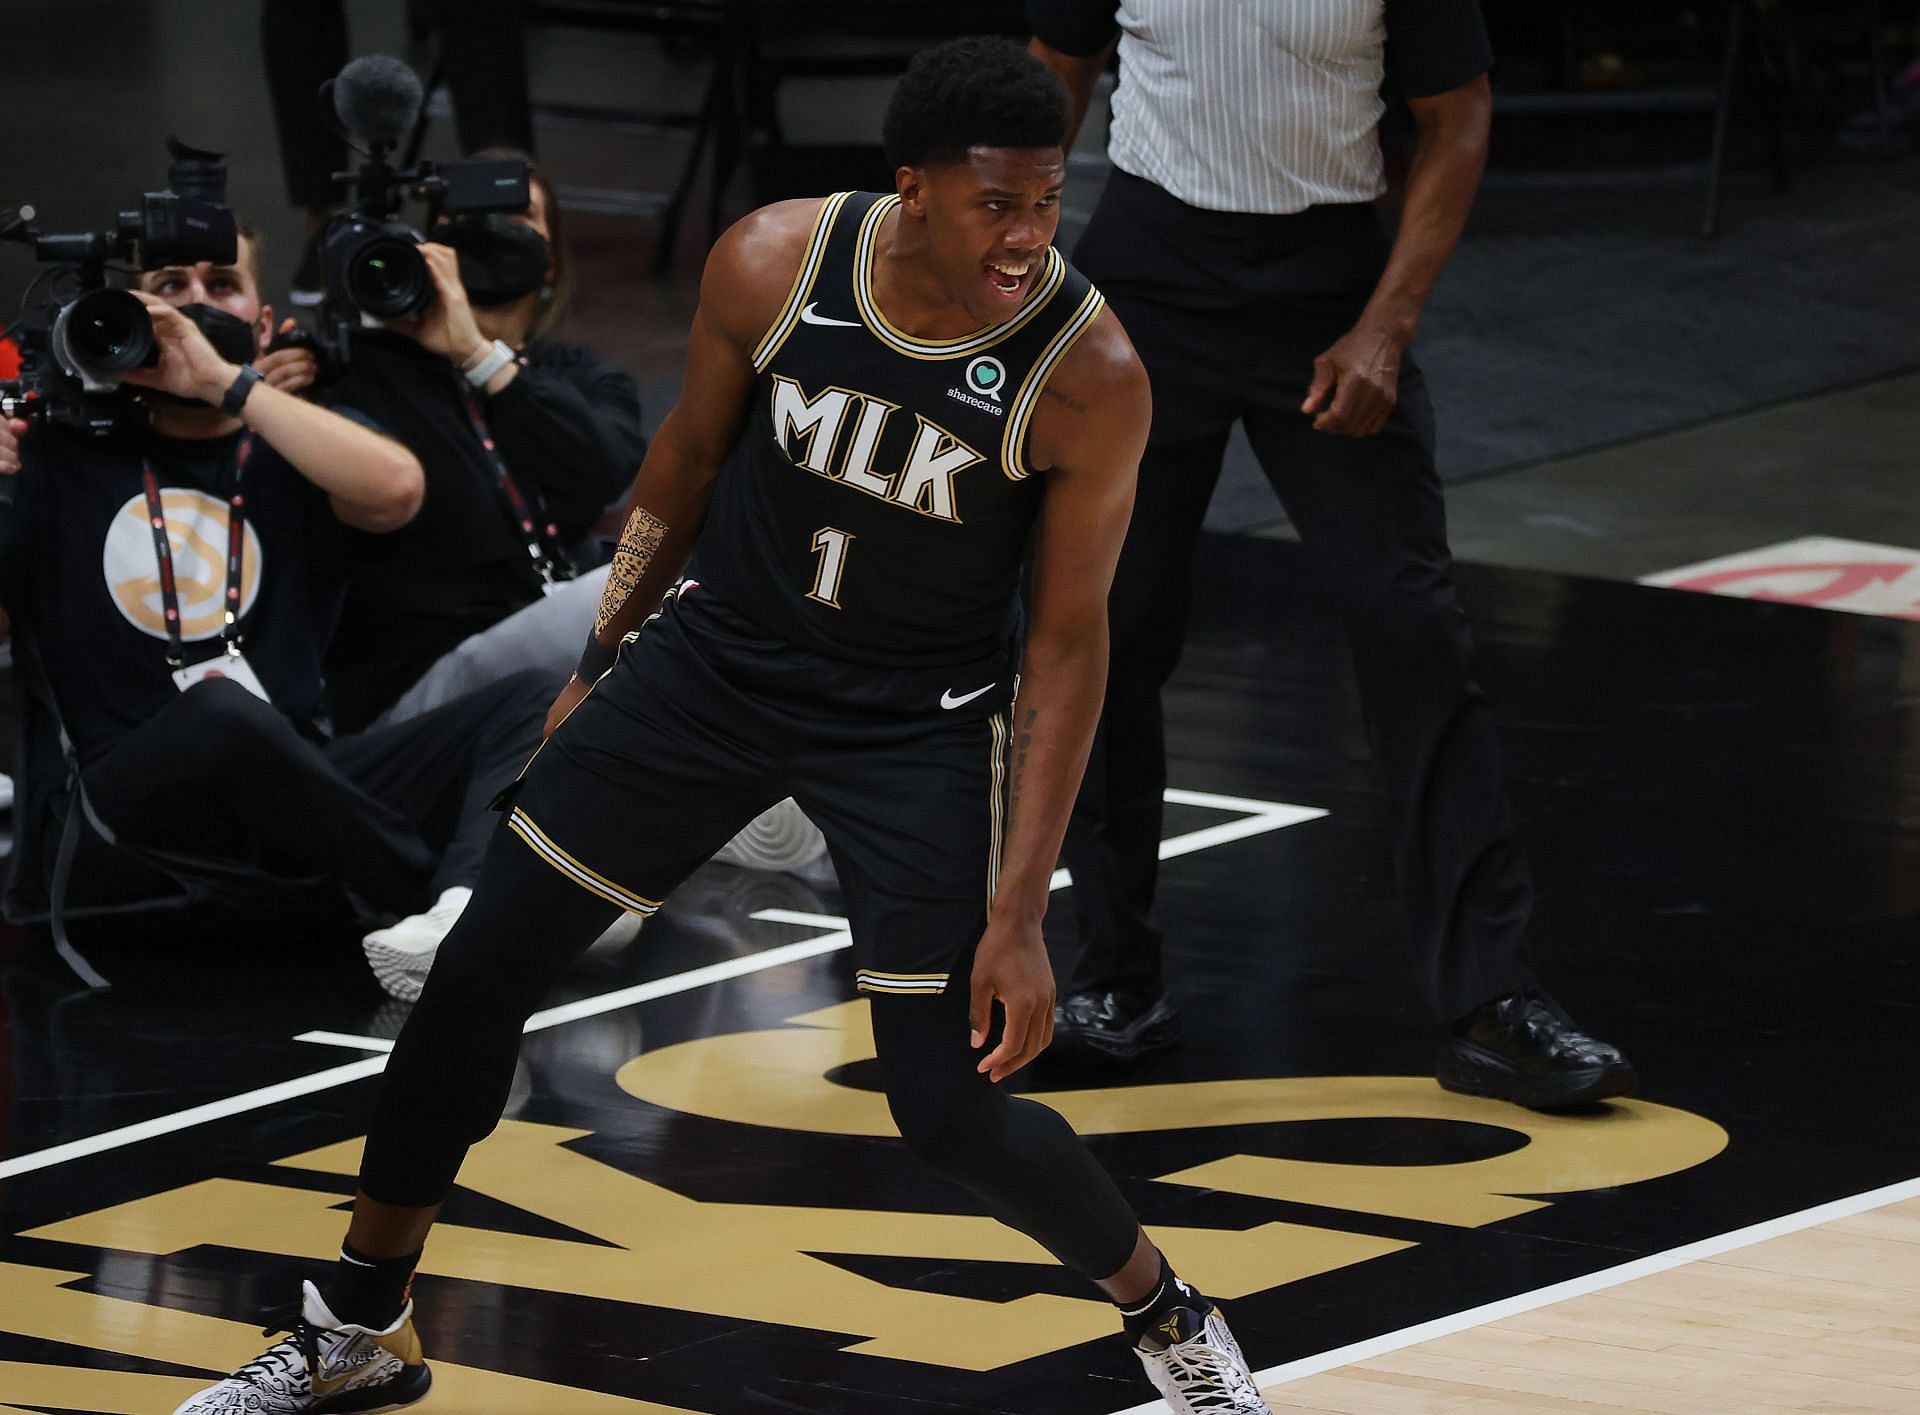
(180, 582)
(525, 441)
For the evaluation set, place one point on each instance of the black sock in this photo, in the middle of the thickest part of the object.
(369, 1292)
(1149, 1314)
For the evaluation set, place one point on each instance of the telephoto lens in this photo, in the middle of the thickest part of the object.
(102, 335)
(376, 267)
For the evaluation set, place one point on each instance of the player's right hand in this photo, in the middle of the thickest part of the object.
(570, 698)
(11, 431)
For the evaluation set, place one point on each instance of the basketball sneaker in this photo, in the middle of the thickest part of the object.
(1193, 1360)
(401, 955)
(324, 1367)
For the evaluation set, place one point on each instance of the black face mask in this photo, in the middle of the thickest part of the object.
(231, 336)
(500, 259)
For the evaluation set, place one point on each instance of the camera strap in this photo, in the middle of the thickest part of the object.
(236, 555)
(538, 531)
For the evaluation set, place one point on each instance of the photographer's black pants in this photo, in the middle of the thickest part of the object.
(305, 44)
(1228, 313)
(397, 814)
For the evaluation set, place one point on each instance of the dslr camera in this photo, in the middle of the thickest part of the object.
(369, 257)
(78, 335)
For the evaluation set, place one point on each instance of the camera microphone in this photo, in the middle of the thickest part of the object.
(377, 99)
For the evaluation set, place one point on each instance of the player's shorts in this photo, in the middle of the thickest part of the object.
(704, 721)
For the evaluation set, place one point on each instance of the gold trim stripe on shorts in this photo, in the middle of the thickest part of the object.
(998, 804)
(521, 824)
(1011, 460)
(802, 283)
(900, 984)
(930, 349)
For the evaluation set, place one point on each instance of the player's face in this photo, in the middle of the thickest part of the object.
(990, 220)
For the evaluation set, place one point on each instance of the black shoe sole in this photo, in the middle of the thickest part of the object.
(410, 1389)
(1470, 1070)
(1157, 1027)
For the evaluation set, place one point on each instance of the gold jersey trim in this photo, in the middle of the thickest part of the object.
(1012, 458)
(803, 280)
(934, 349)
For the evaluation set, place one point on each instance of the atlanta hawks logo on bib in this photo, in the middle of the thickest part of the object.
(197, 530)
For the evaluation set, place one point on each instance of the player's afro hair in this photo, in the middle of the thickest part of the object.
(968, 93)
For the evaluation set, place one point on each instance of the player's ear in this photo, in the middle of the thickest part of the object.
(911, 183)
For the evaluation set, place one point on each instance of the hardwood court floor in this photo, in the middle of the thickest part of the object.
(696, 1203)
(1827, 1319)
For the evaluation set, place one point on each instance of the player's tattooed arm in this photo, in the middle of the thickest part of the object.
(1017, 776)
(639, 543)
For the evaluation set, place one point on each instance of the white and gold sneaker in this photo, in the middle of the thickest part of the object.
(1193, 1360)
(324, 1367)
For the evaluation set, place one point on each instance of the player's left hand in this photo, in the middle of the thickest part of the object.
(1361, 374)
(1011, 966)
(447, 326)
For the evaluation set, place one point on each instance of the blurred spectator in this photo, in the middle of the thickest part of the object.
(201, 733)
(525, 440)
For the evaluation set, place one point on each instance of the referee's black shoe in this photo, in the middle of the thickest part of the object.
(1523, 1048)
(1112, 1027)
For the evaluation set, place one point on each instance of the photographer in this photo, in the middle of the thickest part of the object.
(525, 441)
(180, 582)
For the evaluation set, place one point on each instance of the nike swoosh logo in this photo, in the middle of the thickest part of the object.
(809, 316)
(949, 701)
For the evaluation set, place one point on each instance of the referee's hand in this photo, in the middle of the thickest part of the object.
(1357, 382)
(1012, 967)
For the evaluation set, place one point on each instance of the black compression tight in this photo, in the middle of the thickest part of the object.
(526, 925)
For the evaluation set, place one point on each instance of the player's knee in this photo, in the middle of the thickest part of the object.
(951, 1133)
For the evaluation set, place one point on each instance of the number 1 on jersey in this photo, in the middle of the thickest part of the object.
(831, 546)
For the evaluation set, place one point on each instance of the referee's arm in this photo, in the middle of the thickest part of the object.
(1075, 39)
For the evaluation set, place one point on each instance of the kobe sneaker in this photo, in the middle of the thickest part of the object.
(324, 1366)
(1193, 1360)
(1523, 1048)
(401, 955)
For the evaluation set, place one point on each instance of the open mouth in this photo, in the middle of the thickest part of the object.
(1009, 278)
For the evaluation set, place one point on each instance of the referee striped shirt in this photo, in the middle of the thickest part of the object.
(1265, 105)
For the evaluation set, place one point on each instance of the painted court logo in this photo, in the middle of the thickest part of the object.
(985, 377)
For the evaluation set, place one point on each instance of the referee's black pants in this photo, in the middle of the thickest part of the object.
(1228, 312)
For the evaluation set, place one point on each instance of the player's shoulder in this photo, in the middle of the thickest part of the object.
(1101, 367)
(751, 268)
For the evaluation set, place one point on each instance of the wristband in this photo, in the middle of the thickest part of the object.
(235, 397)
(496, 358)
(595, 660)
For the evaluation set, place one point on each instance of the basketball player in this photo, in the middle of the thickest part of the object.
(884, 396)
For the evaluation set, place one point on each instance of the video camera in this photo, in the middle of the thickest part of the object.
(77, 335)
(369, 258)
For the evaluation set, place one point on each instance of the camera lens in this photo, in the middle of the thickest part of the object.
(102, 335)
(377, 268)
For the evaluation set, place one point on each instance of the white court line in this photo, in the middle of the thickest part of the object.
(1272, 815)
(1574, 1287)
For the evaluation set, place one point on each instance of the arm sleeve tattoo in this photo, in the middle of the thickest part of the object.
(639, 543)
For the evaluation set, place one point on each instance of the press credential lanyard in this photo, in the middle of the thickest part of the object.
(542, 540)
(236, 556)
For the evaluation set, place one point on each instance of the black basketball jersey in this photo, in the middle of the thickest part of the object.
(877, 505)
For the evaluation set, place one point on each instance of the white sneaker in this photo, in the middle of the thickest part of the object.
(400, 955)
(779, 838)
(1193, 1360)
(323, 1365)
